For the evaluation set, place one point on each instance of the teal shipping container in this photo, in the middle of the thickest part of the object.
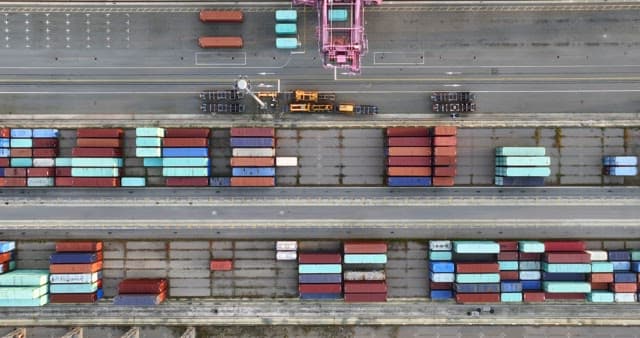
(478, 278)
(365, 259)
(523, 161)
(566, 287)
(150, 132)
(635, 255)
(97, 162)
(286, 28)
(523, 171)
(74, 288)
(40, 182)
(95, 172)
(508, 265)
(601, 267)
(148, 152)
(24, 277)
(21, 143)
(600, 297)
(440, 255)
(21, 162)
(286, 43)
(185, 172)
(531, 246)
(568, 268)
(320, 268)
(511, 297)
(23, 292)
(476, 247)
(286, 15)
(529, 265)
(63, 161)
(185, 161)
(21, 302)
(152, 162)
(148, 142)
(337, 15)
(133, 182)
(520, 151)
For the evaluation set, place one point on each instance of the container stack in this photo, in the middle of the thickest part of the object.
(529, 257)
(364, 275)
(441, 270)
(286, 250)
(319, 275)
(76, 272)
(635, 267)
(24, 288)
(620, 165)
(185, 157)
(286, 29)
(409, 157)
(477, 271)
(444, 155)
(510, 284)
(521, 166)
(27, 157)
(7, 256)
(566, 266)
(625, 283)
(141, 292)
(601, 277)
(96, 160)
(253, 157)
(149, 148)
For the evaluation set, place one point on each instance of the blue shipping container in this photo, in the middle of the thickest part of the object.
(562, 276)
(21, 133)
(399, 181)
(185, 152)
(619, 255)
(6, 246)
(635, 266)
(441, 294)
(477, 287)
(441, 267)
(45, 133)
(220, 181)
(519, 181)
(621, 171)
(252, 142)
(531, 285)
(5, 142)
(625, 277)
(133, 182)
(320, 296)
(136, 300)
(72, 258)
(5, 152)
(620, 160)
(243, 171)
(621, 265)
(511, 286)
(320, 278)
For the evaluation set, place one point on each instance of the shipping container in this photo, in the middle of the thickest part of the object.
(621, 265)
(253, 182)
(143, 286)
(75, 268)
(466, 298)
(99, 133)
(568, 257)
(15, 172)
(529, 256)
(319, 278)
(619, 255)
(523, 171)
(220, 181)
(252, 142)
(409, 161)
(507, 255)
(620, 160)
(286, 255)
(509, 275)
(40, 182)
(320, 296)
(409, 181)
(519, 181)
(5, 132)
(221, 265)
(99, 162)
(564, 246)
(21, 162)
(63, 172)
(21, 143)
(508, 245)
(95, 172)
(41, 172)
(286, 15)
(476, 287)
(45, 143)
(187, 133)
(621, 171)
(476, 247)
(566, 287)
(319, 268)
(73, 278)
(139, 299)
(287, 43)
(78, 246)
(508, 265)
(259, 172)
(365, 297)
(477, 278)
(320, 288)
(185, 142)
(133, 181)
(365, 287)
(533, 297)
(415, 141)
(365, 259)
(149, 152)
(286, 29)
(575, 268)
(601, 278)
(185, 152)
(21, 133)
(73, 258)
(445, 151)
(564, 276)
(99, 142)
(221, 16)
(511, 297)
(409, 151)
(599, 255)
(220, 42)
(287, 245)
(523, 161)
(44, 153)
(442, 267)
(520, 151)
(625, 297)
(441, 245)
(530, 275)
(600, 286)
(445, 141)
(45, 133)
(440, 255)
(440, 286)
(409, 171)
(445, 131)
(364, 275)
(252, 132)
(365, 247)
(623, 287)
(73, 288)
(148, 141)
(530, 265)
(600, 297)
(23, 302)
(407, 132)
(75, 298)
(96, 152)
(185, 162)
(443, 181)
(444, 172)
(187, 182)
(625, 277)
(477, 267)
(21, 152)
(319, 258)
(440, 294)
(337, 15)
(253, 152)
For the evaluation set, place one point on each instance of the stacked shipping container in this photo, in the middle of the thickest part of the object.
(320, 275)
(185, 157)
(625, 284)
(441, 270)
(7, 256)
(253, 157)
(444, 155)
(477, 271)
(27, 157)
(566, 266)
(620, 165)
(141, 292)
(601, 277)
(521, 166)
(24, 288)
(409, 157)
(510, 284)
(214, 16)
(286, 250)
(529, 255)
(364, 271)
(76, 272)
(286, 20)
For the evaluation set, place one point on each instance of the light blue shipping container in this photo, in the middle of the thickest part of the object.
(24, 302)
(478, 278)
(148, 142)
(95, 172)
(6, 246)
(185, 152)
(365, 258)
(286, 43)
(635, 255)
(531, 246)
(185, 172)
(265, 171)
(511, 297)
(152, 162)
(149, 152)
(63, 161)
(476, 247)
(22, 162)
(530, 275)
(45, 133)
(5, 152)
(5, 142)
(23, 292)
(185, 162)
(21, 143)
(523, 161)
(21, 133)
(566, 287)
(529, 265)
(523, 171)
(620, 171)
(442, 277)
(440, 255)
(520, 151)
(320, 268)
(97, 162)
(133, 182)
(568, 268)
(442, 267)
(150, 132)
(621, 265)
(338, 15)
(289, 15)
(40, 182)
(286, 28)
(601, 267)
(25, 277)
(74, 288)
(600, 297)
(508, 265)
(620, 160)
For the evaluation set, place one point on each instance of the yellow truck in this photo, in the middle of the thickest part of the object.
(306, 95)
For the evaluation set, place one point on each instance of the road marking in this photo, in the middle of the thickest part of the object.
(419, 57)
(206, 58)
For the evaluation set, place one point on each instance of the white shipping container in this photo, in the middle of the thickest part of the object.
(40, 182)
(286, 245)
(286, 255)
(440, 245)
(253, 152)
(624, 297)
(44, 162)
(364, 275)
(598, 255)
(286, 161)
(73, 278)
(530, 275)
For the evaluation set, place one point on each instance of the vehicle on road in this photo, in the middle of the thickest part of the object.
(452, 97)
(213, 108)
(221, 95)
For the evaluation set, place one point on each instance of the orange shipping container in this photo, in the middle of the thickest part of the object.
(445, 131)
(75, 268)
(99, 142)
(624, 287)
(21, 152)
(445, 151)
(601, 278)
(409, 151)
(444, 171)
(185, 142)
(409, 171)
(221, 16)
(221, 265)
(252, 161)
(443, 181)
(445, 141)
(220, 42)
(13, 182)
(253, 181)
(444, 160)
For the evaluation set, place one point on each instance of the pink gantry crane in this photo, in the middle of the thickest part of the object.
(341, 43)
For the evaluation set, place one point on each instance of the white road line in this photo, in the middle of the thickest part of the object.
(576, 91)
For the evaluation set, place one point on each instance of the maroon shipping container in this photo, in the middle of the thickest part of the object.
(63, 172)
(444, 171)
(365, 297)
(41, 172)
(221, 16)
(187, 132)
(624, 287)
(443, 181)
(445, 151)
(187, 182)
(465, 298)
(253, 132)
(99, 142)
(409, 161)
(603, 277)
(319, 258)
(365, 287)
(21, 152)
(444, 160)
(185, 142)
(445, 131)
(477, 268)
(600, 286)
(564, 246)
(5, 132)
(15, 172)
(407, 131)
(320, 288)
(97, 182)
(440, 286)
(569, 257)
(220, 42)
(99, 133)
(45, 143)
(508, 246)
(529, 256)
(409, 141)
(62, 298)
(532, 297)
(445, 141)
(64, 181)
(564, 296)
(143, 286)
(509, 275)
(84, 246)
(96, 152)
(4, 162)
(365, 247)
(45, 152)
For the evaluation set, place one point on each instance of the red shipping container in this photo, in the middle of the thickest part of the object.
(445, 131)
(408, 171)
(531, 297)
(408, 141)
(5, 257)
(409, 161)
(320, 288)
(564, 246)
(365, 247)
(66, 298)
(83, 246)
(45, 143)
(440, 286)
(477, 268)
(599, 286)
(465, 298)
(252, 161)
(319, 258)
(624, 287)
(185, 142)
(221, 16)
(365, 297)
(96, 152)
(365, 287)
(95, 182)
(444, 160)
(99, 281)
(445, 141)
(187, 181)
(64, 181)
(529, 256)
(21, 152)
(253, 132)
(445, 151)
(15, 172)
(409, 151)
(509, 275)
(221, 265)
(253, 181)
(63, 171)
(99, 142)
(13, 182)
(99, 133)
(508, 246)
(601, 277)
(76, 268)
(5, 132)
(143, 286)
(444, 171)
(572, 257)
(443, 181)
(564, 296)
(508, 256)
(407, 131)
(4, 162)
(187, 132)
(41, 172)
(45, 152)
